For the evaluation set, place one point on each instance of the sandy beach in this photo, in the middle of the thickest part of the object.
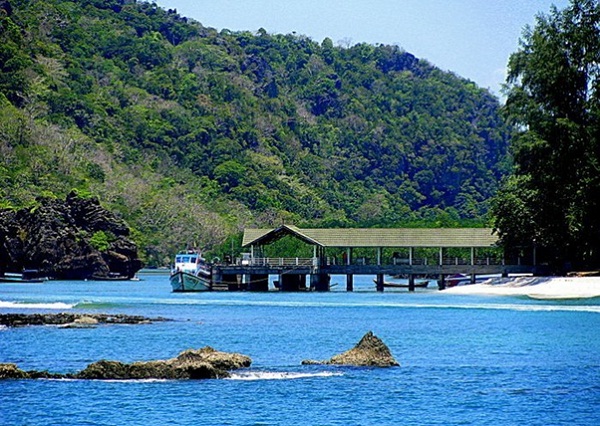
(535, 287)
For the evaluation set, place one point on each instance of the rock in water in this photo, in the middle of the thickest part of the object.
(205, 363)
(83, 321)
(369, 352)
(67, 320)
(71, 239)
(11, 371)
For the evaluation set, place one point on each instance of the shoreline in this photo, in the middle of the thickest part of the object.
(542, 288)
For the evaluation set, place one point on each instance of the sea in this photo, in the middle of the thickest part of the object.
(465, 359)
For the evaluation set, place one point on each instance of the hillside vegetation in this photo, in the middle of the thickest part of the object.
(553, 99)
(191, 134)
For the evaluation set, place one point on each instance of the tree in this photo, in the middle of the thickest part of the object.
(553, 101)
(117, 97)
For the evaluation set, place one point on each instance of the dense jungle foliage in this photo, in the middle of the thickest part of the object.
(553, 198)
(191, 134)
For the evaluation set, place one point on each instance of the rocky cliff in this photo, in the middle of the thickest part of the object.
(71, 239)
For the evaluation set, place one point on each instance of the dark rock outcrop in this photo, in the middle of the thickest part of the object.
(72, 239)
(369, 352)
(73, 320)
(205, 363)
(11, 371)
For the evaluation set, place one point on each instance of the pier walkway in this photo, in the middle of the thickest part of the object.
(443, 253)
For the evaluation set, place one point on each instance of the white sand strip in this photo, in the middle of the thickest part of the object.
(535, 287)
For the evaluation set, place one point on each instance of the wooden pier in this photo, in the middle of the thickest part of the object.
(410, 253)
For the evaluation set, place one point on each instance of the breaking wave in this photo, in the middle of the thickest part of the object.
(33, 305)
(272, 375)
(558, 306)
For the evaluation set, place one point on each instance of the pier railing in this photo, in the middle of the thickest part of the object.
(417, 261)
(477, 261)
(283, 261)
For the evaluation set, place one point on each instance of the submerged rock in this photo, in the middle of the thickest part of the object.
(70, 320)
(369, 352)
(85, 321)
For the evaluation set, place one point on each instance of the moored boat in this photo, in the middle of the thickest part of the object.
(114, 276)
(190, 273)
(403, 284)
(418, 284)
(463, 279)
(27, 276)
(457, 279)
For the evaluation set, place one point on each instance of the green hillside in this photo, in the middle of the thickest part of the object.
(191, 134)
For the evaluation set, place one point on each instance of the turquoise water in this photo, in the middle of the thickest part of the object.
(469, 360)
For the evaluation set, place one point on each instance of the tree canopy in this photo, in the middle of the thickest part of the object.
(191, 134)
(553, 101)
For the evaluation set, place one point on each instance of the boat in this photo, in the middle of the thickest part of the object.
(457, 279)
(114, 276)
(403, 284)
(27, 276)
(419, 284)
(190, 273)
(463, 279)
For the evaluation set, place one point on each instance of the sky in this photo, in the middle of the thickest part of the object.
(472, 38)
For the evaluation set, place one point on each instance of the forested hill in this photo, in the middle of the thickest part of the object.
(191, 134)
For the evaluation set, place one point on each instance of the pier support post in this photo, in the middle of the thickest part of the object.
(292, 282)
(379, 282)
(216, 278)
(232, 281)
(349, 282)
(411, 282)
(442, 282)
(320, 282)
(258, 282)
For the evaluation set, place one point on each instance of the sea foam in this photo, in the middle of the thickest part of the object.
(273, 375)
(21, 305)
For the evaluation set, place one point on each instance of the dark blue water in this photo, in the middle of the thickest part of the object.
(469, 360)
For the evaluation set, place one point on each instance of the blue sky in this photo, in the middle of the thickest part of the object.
(472, 38)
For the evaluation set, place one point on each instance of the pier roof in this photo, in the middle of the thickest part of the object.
(377, 237)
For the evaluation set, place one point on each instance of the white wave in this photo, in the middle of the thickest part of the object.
(395, 303)
(65, 379)
(529, 308)
(130, 380)
(272, 375)
(23, 305)
(546, 288)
